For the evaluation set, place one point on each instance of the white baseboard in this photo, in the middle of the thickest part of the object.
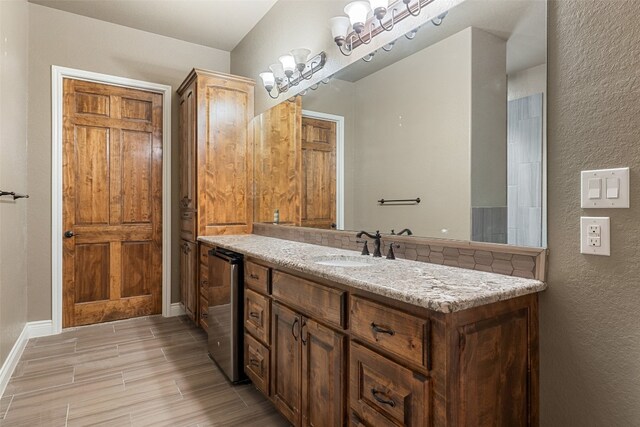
(37, 329)
(177, 309)
(42, 328)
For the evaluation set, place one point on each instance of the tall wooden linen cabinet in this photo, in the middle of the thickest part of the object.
(216, 172)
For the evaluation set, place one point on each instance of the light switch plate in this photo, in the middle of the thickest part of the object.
(619, 176)
(590, 242)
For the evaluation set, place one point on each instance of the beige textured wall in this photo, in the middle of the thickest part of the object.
(412, 137)
(589, 321)
(488, 120)
(68, 40)
(13, 171)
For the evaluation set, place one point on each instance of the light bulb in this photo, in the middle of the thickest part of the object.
(357, 11)
(268, 80)
(339, 28)
(278, 71)
(300, 57)
(288, 64)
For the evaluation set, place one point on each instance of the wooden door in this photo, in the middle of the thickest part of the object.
(285, 366)
(112, 203)
(323, 375)
(318, 173)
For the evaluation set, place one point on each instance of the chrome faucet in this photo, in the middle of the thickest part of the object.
(376, 241)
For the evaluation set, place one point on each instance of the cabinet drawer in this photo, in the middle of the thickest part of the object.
(204, 313)
(397, 332)
(385, 393)
(188, 225)
(203, 280)
(321, 302)
(204, 253)
(257, 314)
(256, 277)
(256, 362)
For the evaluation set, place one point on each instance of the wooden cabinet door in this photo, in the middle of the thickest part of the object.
(318, 173)
(187, 117)
(188, 259)
(225, 156)
(278, 162)
(492, 381)
(285, 366)
(323, 375)
(112, 203)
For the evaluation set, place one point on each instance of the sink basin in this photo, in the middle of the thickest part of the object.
(344, 261)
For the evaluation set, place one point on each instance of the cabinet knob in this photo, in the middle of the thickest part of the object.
(69, 234)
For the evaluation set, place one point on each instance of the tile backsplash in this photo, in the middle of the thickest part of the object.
(502, 259)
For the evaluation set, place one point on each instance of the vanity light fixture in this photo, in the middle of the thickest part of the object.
(290, 70)
(358, 19)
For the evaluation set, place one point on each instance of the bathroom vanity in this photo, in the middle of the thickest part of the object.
(336, 338)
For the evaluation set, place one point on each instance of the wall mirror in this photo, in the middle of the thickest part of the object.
(444, 135)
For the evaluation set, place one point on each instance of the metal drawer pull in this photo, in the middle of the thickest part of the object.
(387, 401)
(254, 314)
(293, 329)
(254, 276)
(303, 333)
(381, 330)
(254, 362)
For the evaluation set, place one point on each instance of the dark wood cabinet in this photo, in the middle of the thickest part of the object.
(323, 375)
(308, 372)
(383, 392)
(257, 315)
(188, 268)
(287, 362)
(216, 167)
(337, 356)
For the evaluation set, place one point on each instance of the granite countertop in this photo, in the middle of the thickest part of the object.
(436, 287)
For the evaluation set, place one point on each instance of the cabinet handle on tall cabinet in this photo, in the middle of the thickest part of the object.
(293, 329)
(303, 333)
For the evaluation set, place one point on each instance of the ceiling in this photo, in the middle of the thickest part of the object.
(220, 24)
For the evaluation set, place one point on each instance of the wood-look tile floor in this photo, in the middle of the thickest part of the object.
(148, 371)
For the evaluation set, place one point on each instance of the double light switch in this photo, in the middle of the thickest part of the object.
(605, 188)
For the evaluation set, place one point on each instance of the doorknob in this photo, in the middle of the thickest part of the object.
(69, 234)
